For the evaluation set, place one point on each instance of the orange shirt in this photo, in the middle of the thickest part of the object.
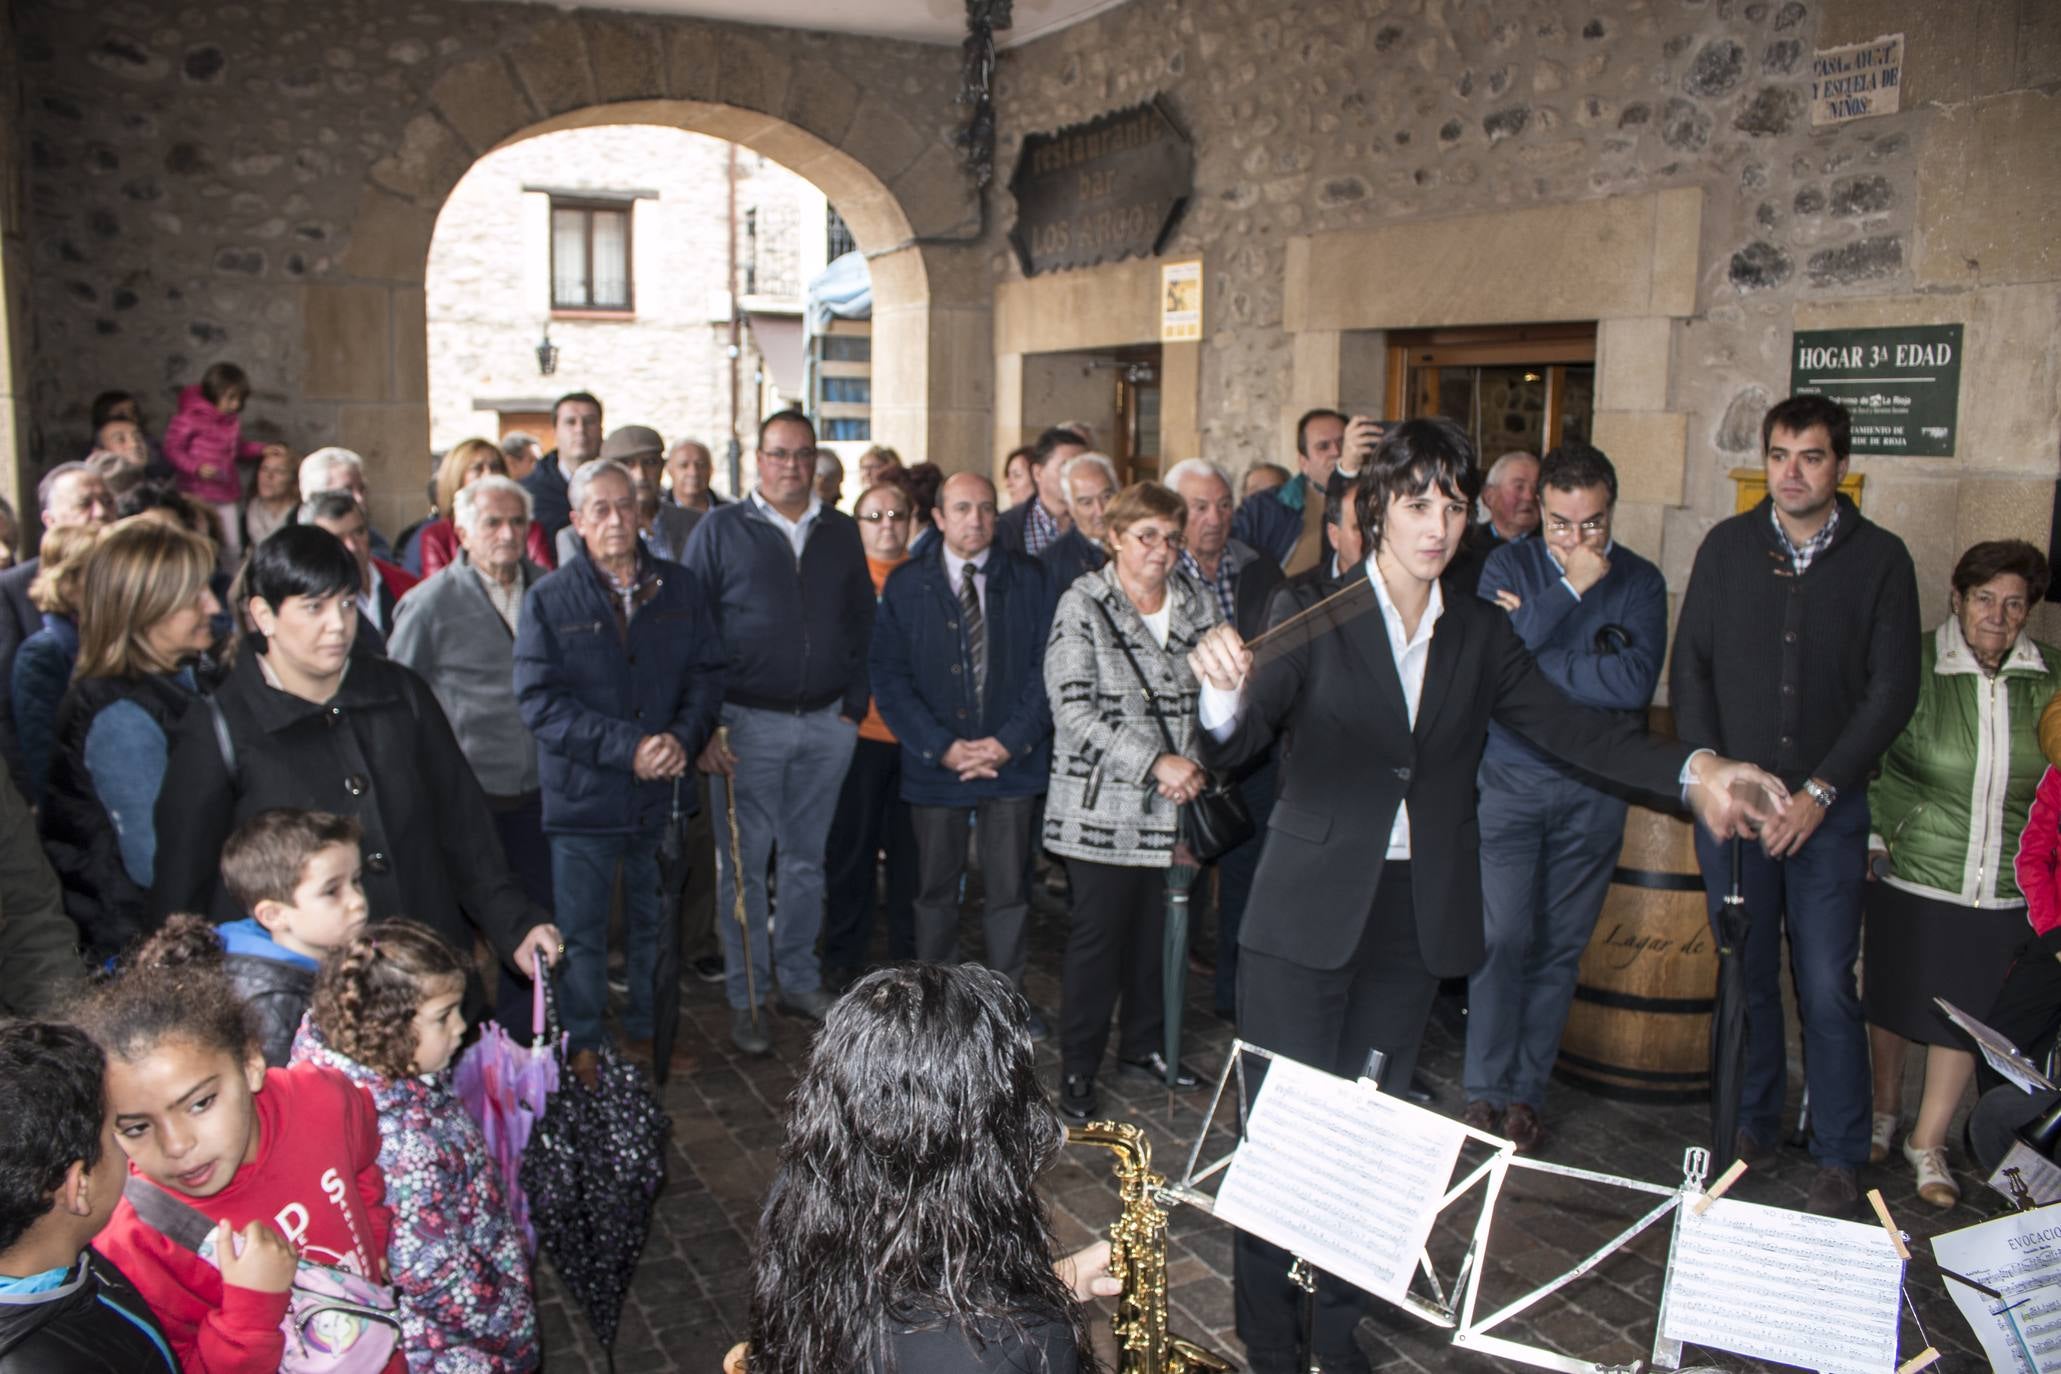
(873, 727)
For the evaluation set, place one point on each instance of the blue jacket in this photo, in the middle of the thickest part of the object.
(591, 692)
(42, 671)
(923, 679)
(794, 631)
(1603, 649)
(1069, 557)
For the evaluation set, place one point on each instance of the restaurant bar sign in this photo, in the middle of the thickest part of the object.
(1109, 189)
(1902, 385)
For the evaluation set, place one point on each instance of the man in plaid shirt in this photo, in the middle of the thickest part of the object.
(1031, 527)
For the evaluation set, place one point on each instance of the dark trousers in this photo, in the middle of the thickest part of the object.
(520, 823)
(2027, 1010)
(1112, 952)
(1815, 895)
(1234, 882)
(1002, 832)
(1328, 1019)
(871, 817)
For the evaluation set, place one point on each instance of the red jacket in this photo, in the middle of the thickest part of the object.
(439, 545)
(204, 446)
(316, 1179)
(2039, 857)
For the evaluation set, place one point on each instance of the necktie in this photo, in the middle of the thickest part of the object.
(976, 630)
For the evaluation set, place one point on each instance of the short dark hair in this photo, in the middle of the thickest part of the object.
(53, 1114)
(104, 404)
(923, 482)
(787, 417)
(1041, 451)
(1574, 466)
(265, 856)
(1411, 458)
(1302, 426)
(1993, 558)
(299, 560)
(1799, 413)
(221, 379)
(587, 397)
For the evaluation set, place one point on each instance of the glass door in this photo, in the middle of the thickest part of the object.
(1526, 387)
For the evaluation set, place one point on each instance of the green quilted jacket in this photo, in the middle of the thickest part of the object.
(1954, 787)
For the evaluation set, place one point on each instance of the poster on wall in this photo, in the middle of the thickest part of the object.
(1902, 385)
(1857, 81)
(1180, 301)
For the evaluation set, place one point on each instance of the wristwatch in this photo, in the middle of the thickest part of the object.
(1824, 794)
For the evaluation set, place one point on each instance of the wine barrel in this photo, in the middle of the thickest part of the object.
(1639, 1028)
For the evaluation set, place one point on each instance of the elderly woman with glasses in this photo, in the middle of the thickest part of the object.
(1123, 717)
(871, 816)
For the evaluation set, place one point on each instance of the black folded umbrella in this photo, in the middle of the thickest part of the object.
(592, 1169)
(1728, 1020)
(674, 864)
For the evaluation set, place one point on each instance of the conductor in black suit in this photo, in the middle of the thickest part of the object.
(1369, 886)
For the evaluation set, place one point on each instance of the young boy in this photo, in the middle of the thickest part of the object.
(299, 876)
(64, 1309)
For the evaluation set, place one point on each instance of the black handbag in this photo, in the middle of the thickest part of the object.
(1217, 821)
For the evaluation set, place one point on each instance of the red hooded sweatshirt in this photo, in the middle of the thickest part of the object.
(205, 446)
(316, 1179)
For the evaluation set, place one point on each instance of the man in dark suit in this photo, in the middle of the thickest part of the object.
(1369, 887)
(1031, 526)
(69, 494)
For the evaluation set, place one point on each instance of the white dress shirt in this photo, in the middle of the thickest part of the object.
(954, 566)
(797, 531)
(1217, 711)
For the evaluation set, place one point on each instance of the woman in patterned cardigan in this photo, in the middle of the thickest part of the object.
(1123, 718)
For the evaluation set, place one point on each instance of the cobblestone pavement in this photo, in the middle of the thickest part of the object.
(690, 1296)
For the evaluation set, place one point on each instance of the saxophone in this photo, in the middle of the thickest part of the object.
(1137, 1257)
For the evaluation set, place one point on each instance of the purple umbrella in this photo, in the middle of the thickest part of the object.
(504, 1084)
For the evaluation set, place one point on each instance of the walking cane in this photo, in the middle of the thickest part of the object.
(737, 877)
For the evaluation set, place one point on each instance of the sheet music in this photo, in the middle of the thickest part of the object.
(1347, 1178)
(2019, 1255)
(1781, 1285)
(2003, 1056)
(2020, 1166)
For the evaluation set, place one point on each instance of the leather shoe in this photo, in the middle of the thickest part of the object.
(1750, 1150)
(586, 1067)
(812, 1005)
(639, 1052)
(1077, 1100)
(1481, 1115)
(1833, 1193)
(1154, 1064)
(1522, 1128)
(1419, 1091)
(1037, 1025)
(749, 1033)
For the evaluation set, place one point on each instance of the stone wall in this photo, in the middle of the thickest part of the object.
(667, 365)
(257, 180)
(1317, 124)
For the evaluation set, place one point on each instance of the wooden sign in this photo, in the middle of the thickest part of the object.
(1102, 191)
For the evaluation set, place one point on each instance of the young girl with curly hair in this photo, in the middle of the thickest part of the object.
(386, 1016)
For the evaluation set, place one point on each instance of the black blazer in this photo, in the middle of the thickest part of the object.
(1352, 758)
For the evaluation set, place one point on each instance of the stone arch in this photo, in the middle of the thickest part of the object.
(882, 157)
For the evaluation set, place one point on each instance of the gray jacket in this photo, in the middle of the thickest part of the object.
(447, 630)
(1104, 804)
(667, 540)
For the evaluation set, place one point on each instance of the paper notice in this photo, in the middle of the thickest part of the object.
(2019, 1255)
(1781, 1285)
(2023, 1171)
(1347, 1178)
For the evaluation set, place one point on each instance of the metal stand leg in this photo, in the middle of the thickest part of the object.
(1305, 1278)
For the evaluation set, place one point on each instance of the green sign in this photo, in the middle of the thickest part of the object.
(1903, 385)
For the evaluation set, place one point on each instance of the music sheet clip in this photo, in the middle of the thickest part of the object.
(1896, 1237)
(1919, 1361)
(1718, 1189)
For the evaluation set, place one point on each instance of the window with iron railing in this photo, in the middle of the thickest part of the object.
(838, 234)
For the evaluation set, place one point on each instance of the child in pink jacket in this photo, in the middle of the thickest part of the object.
(205, 442)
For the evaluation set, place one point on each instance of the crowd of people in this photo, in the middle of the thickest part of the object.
(310, 800)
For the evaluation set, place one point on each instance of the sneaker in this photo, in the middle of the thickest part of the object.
(812, 1005)
(1482, 1115)
(709, 968)
(1878, 1138)
(749, 1034)
(1077, 1100)
(1153, 1065)
(1833, 1192)
(1935, 1184)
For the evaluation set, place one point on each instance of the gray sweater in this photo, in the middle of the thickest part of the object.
(1104, 804)
(447, 630)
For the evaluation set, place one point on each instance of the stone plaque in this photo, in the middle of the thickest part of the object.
(1858, 80)
(1903, 385)
(1102, 191)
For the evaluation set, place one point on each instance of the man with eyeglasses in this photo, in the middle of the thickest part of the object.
(958, 669)
(794, 605)
(1594, 615)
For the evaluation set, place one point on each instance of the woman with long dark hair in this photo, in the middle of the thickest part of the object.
(904, 1230)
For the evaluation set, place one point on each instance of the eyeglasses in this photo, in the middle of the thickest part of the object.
(788, 455)
(874, 517)
(1151, 538)
(1588, 527)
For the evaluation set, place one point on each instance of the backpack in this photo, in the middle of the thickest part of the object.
(335, 1322)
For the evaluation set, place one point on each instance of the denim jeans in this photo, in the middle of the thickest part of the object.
(583, 870)
(1548, 845)
(1815, 895)
(790, 770)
